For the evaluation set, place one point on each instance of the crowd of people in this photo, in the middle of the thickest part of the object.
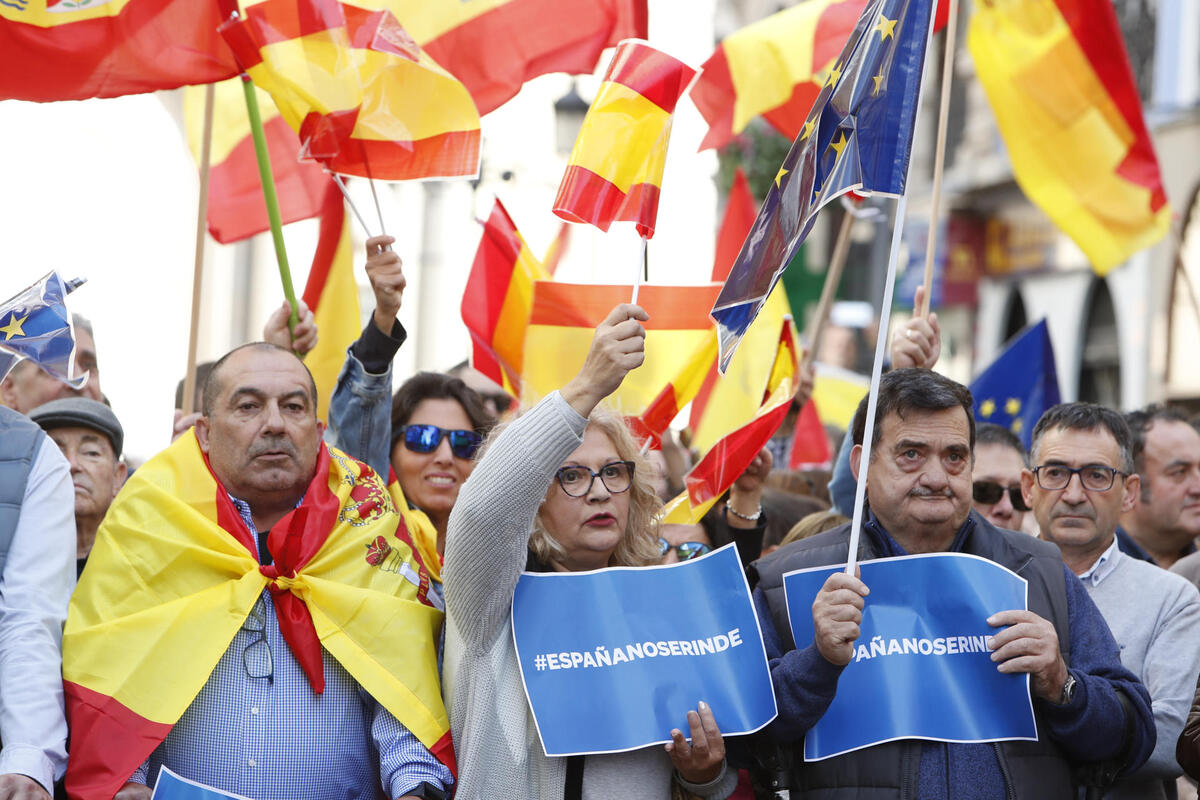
(263, 651)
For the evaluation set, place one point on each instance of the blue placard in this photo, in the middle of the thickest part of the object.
(613, 659)
(922, 669)
(170, 786)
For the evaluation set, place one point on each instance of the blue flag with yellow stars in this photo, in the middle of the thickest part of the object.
(1018, 387)
(857, 138)
(36, 325)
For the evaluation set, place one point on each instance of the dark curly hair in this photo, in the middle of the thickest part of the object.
(437, 386)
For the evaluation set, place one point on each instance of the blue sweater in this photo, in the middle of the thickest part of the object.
(805, 684)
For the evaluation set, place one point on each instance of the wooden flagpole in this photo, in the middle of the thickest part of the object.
(939, 154)
(833, 277)
(189, 381)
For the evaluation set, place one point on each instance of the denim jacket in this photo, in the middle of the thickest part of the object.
(360, 410)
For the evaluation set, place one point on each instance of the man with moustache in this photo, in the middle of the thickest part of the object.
(919, 494)
(249, 583)
(1082, 481)
(996, 476)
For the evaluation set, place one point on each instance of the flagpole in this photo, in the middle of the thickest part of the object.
(833, 277)
(269, 196)
(346, 194)
(885, 317)
(637, 277)
(939, 154)
(189, 380)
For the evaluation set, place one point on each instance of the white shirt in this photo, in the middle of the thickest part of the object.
(1103, 567)
(35, 588)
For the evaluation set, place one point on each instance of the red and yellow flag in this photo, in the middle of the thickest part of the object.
(236, 209)
(70, 50)
(810, 444)
(774, 68)
(564, 319)
(494, 46)
(498, 298)
(172, 579)
(332, 295)
(357, 89)
(1059, 81)
(652, 423)
(728, 458)
(616, 167)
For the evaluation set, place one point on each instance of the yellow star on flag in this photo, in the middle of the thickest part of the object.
(886, 28)
(840, 144)
(779, 175)
(1012, 407)
(13, 328)
(835, 74)
(987, 408)
(878, 82)
(809, 126)
(1016, 426)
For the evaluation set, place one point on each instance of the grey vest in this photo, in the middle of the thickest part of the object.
(19, 442)
(889, 771)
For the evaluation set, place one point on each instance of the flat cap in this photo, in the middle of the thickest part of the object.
(80, 412)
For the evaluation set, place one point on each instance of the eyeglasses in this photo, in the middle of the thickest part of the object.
(426, 438)
(1094, 477)
(988, 493)
(258, 662)
(685, 551)
(576, 481)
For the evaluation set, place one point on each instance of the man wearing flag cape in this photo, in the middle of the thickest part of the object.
(254, 615)
(1093, 716)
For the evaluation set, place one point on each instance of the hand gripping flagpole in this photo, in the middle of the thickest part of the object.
(272, 200)
(885, 316)
(939, 157)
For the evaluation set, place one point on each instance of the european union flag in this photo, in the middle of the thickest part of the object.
(36, 325)
(857, 137)
(1020, 384)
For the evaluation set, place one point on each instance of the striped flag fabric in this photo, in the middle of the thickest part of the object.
(858, 136)
(1059, 82)
(809, 448)
(774, 68)
(497, 300)
(236, 209)
(71, 50)
(356, 87)
(331, 293)
(726, 460)
(494, 46)
(141, 641)
(652, 423)
(616, 167)
(563, 320)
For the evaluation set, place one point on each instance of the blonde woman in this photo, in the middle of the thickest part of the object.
(562, 488)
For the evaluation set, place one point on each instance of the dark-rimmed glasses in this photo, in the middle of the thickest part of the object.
(263, 665)
(576, 481)
(989, 493)
(1093, 477)
(685, 551)
(426, 438)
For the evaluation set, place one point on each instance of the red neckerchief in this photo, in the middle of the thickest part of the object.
(293, 541)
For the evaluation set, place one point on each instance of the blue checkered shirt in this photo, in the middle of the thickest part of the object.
(279, 739)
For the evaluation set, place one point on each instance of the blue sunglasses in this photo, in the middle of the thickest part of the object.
(426, 438)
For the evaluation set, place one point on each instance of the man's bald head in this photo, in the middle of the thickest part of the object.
(213, 385)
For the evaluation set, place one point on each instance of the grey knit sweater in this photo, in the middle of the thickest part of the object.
(495, 740)
(1155, 617)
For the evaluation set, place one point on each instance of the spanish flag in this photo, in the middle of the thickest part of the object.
(71, 50)
(563, 321)
(332, 295)
(1059, 81)
(497, 300)
(774, 68)
(356, 88)
(728, 458)
(236, 209)
(494, 46)
(616, 168)
(652, 423)
(172, 578)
